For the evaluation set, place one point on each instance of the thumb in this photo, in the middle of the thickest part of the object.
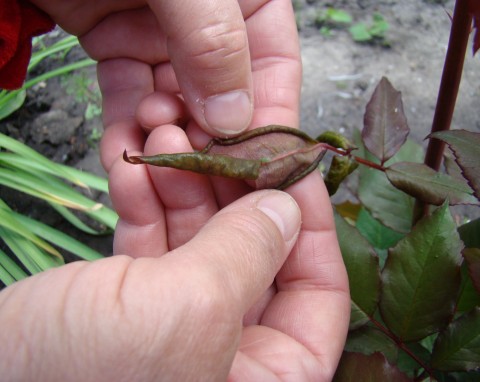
(241, 249)
(208, 46)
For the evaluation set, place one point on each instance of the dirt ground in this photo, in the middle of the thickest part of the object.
(339, 78)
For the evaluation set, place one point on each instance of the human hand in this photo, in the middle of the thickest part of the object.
(162, 209)
(199, 50)
(179, 316)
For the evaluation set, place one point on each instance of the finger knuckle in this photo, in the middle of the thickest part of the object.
(216, 44)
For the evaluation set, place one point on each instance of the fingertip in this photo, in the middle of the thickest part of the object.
(283, 210)
(160, 108)
(132, 193)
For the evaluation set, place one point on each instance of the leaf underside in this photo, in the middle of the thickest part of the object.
(422, 182)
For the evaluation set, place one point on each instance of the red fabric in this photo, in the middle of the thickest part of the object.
(19, 22)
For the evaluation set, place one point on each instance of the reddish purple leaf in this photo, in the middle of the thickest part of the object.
(465, 145)
(385, 125)
(355, 367)
(270, 157)
(472, 258)
(421, 182)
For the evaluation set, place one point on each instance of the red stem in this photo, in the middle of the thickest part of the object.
(401, 345)
(449, 85)
(343, 152)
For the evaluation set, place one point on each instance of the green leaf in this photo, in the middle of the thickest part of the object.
(58, 238)
(385, 125)
(8, 221)
(458, 347)
(390, 206)
(10, 272)
(472, 258)
(11, 102)
(378, 235)
(360, 33)
(468, 297)
(32, 257)
(465, 145)
(421, 278)
(409, 365)
(368, 340)
(338, 16)
(363, 272)
(356, 367)
(379, 27)
(424, 183)
(470, 234)
(26, 152)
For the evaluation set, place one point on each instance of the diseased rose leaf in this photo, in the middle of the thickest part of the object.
(385, 125)
(472, 258)
(340, 168)
(465, 145)
(458, 347)
(422, 182)
(354, 367)
(421, 278)
(271, 157)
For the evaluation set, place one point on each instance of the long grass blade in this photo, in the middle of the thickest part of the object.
(10, 272)
(78, 177)
(8, 221)
(32, 257)
(59, 238)
(23, 150)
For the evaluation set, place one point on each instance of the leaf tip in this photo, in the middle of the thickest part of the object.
(131, 159)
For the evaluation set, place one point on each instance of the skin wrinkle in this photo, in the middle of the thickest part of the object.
(220, 34)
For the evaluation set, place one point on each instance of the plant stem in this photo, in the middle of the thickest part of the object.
(363, 161)
(401, 345)
(449, 85)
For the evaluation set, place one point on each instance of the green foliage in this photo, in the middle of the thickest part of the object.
(374, 32)
(415, 290)
(331, 18)
(33, 245)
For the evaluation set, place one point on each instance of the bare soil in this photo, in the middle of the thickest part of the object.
(339, 78)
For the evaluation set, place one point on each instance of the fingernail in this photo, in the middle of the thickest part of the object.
(284, 212)
(229, 113)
